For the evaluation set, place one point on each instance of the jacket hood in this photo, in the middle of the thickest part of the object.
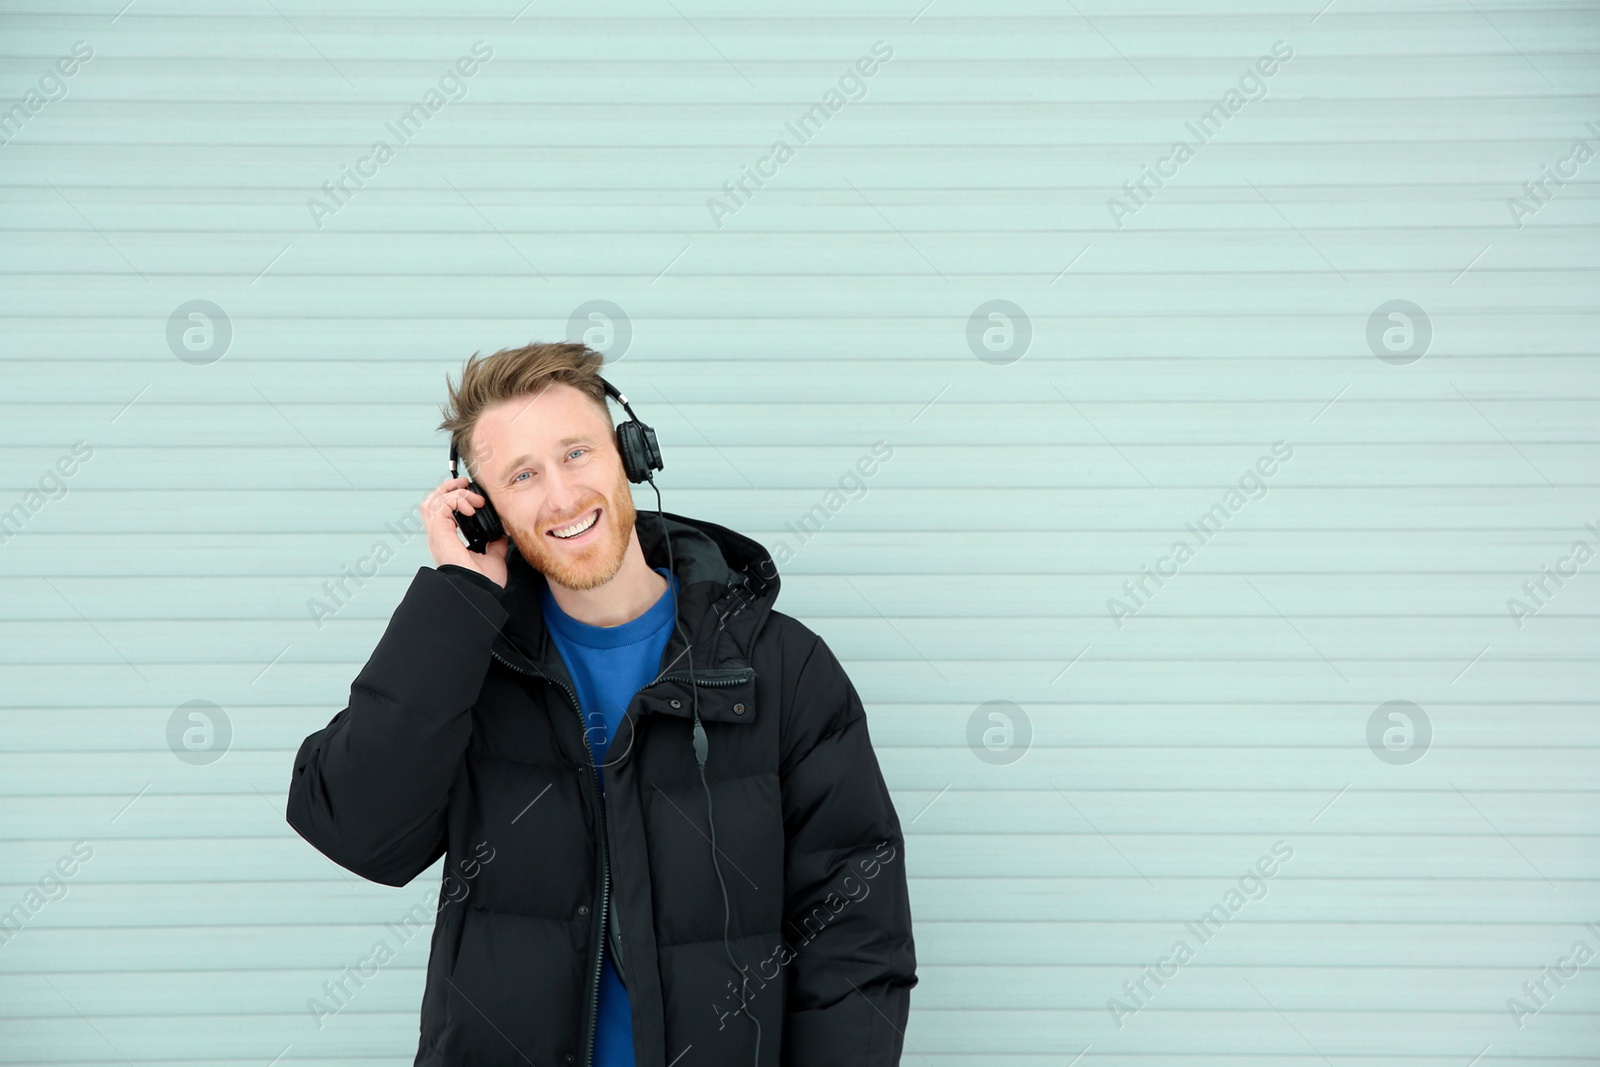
(727, 584)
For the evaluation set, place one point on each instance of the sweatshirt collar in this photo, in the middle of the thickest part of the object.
(726, 586)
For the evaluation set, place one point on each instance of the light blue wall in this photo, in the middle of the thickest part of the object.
(1164, 756)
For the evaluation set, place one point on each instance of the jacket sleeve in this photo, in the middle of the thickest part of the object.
(369, 790)
(854, 963)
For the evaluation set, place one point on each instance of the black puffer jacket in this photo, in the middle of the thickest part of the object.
(463, 738)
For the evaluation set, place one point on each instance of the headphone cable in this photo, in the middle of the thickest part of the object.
(701, 750)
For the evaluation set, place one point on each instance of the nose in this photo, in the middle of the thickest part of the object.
(563, 493)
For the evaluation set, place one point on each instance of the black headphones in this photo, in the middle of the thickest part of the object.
(635, 441)
(640, 455)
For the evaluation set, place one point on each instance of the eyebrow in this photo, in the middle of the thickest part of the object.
(565, 442)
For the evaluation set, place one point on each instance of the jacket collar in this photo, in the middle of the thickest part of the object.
(727, 584)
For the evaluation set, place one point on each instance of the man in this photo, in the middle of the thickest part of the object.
(528, 715)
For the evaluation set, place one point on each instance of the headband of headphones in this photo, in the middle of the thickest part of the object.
(635, 441)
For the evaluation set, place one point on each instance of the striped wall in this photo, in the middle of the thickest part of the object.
(1341, 746)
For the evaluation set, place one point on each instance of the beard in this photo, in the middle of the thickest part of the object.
(597, 562)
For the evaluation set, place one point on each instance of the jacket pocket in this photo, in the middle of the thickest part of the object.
(516, 992)
(726, 694)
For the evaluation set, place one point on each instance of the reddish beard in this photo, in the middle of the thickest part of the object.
(597, 562)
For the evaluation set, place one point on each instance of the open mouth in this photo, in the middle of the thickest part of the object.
(578, 531)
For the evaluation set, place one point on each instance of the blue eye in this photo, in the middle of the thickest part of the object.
(580, 450)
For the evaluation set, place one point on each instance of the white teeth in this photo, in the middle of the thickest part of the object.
(576, 528)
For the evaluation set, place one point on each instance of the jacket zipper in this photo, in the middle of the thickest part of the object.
(605, 857)
(735, 676)
(718, 677)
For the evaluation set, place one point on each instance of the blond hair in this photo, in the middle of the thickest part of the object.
(514, 372)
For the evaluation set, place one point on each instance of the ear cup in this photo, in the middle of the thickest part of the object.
(652, 452)
(635, 441)
(482, 526)
(637, 444)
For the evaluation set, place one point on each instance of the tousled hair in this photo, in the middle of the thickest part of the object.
(514, 372)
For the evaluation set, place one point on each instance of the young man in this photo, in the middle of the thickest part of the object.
(529, 716)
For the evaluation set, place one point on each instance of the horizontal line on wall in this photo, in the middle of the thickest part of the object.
(1154, 920)
(988, 1052)
(1160, 706)
(440, 276)
(924, 835)
(755, 233)
(898, 576)
(933, 361)
(1496, 189)
(1173, 107)
(957, 749)
(1451, 969)
(85, 664)
(1546, 618)
(1479, 310)
(605, 24)
(1206, 879)
(1196, 487)
(1046, 618)
(966, 790)
(1316, 791)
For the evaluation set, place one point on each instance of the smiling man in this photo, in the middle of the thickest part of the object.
(590, 707)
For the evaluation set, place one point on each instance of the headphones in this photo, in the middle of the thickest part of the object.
(640, 455)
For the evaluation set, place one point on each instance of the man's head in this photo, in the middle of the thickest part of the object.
(533, 427)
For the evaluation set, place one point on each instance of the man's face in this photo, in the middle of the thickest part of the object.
(549, 462)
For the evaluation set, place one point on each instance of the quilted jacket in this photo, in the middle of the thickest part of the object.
(463, 739)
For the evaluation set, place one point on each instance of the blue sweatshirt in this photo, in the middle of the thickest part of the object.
(609, 664)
